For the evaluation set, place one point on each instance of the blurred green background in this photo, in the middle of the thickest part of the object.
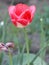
(33, 30)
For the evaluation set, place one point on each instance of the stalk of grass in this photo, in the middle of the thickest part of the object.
(27, 44)
(10, 58)
(5, 29)
(42, 40)
(40, 51)
(18, 46)
(21, 56)
(43, 46)
(5, 33)
(20, 52)
(1, 58)
(3, 38)
(5, 26)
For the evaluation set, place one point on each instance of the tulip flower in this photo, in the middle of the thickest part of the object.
(9, 45)
(21, 14)
(4, 47)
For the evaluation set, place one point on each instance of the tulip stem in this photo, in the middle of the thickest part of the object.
(10, 57)
(27, 44)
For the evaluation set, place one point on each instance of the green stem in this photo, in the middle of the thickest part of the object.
(43, 45)
(5, 34)
(5, 26)
(43, 42)
(21, 55)
(1, 58)
(5, 29)
(10, 58)
(27, 44)
(18, 46)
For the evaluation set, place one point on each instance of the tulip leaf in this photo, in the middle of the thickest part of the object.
(25, 60)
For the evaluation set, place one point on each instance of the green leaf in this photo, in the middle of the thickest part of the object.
(25, 60)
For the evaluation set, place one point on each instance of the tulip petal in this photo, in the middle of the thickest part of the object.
(0, 45)
(4, 49)
(32, 10)
(26, 15)
(12, 14)
(14, 21)
(9, 45)
(23, 22)
(19, 25)
(11, 10)
(20, 8)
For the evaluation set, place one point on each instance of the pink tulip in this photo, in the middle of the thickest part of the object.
(21, 14)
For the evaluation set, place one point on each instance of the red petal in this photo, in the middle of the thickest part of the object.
(23, 22)
(11, 10)
(20, 8)
(14, 22)
(32, 10)
(12, 14)
(26, 15)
